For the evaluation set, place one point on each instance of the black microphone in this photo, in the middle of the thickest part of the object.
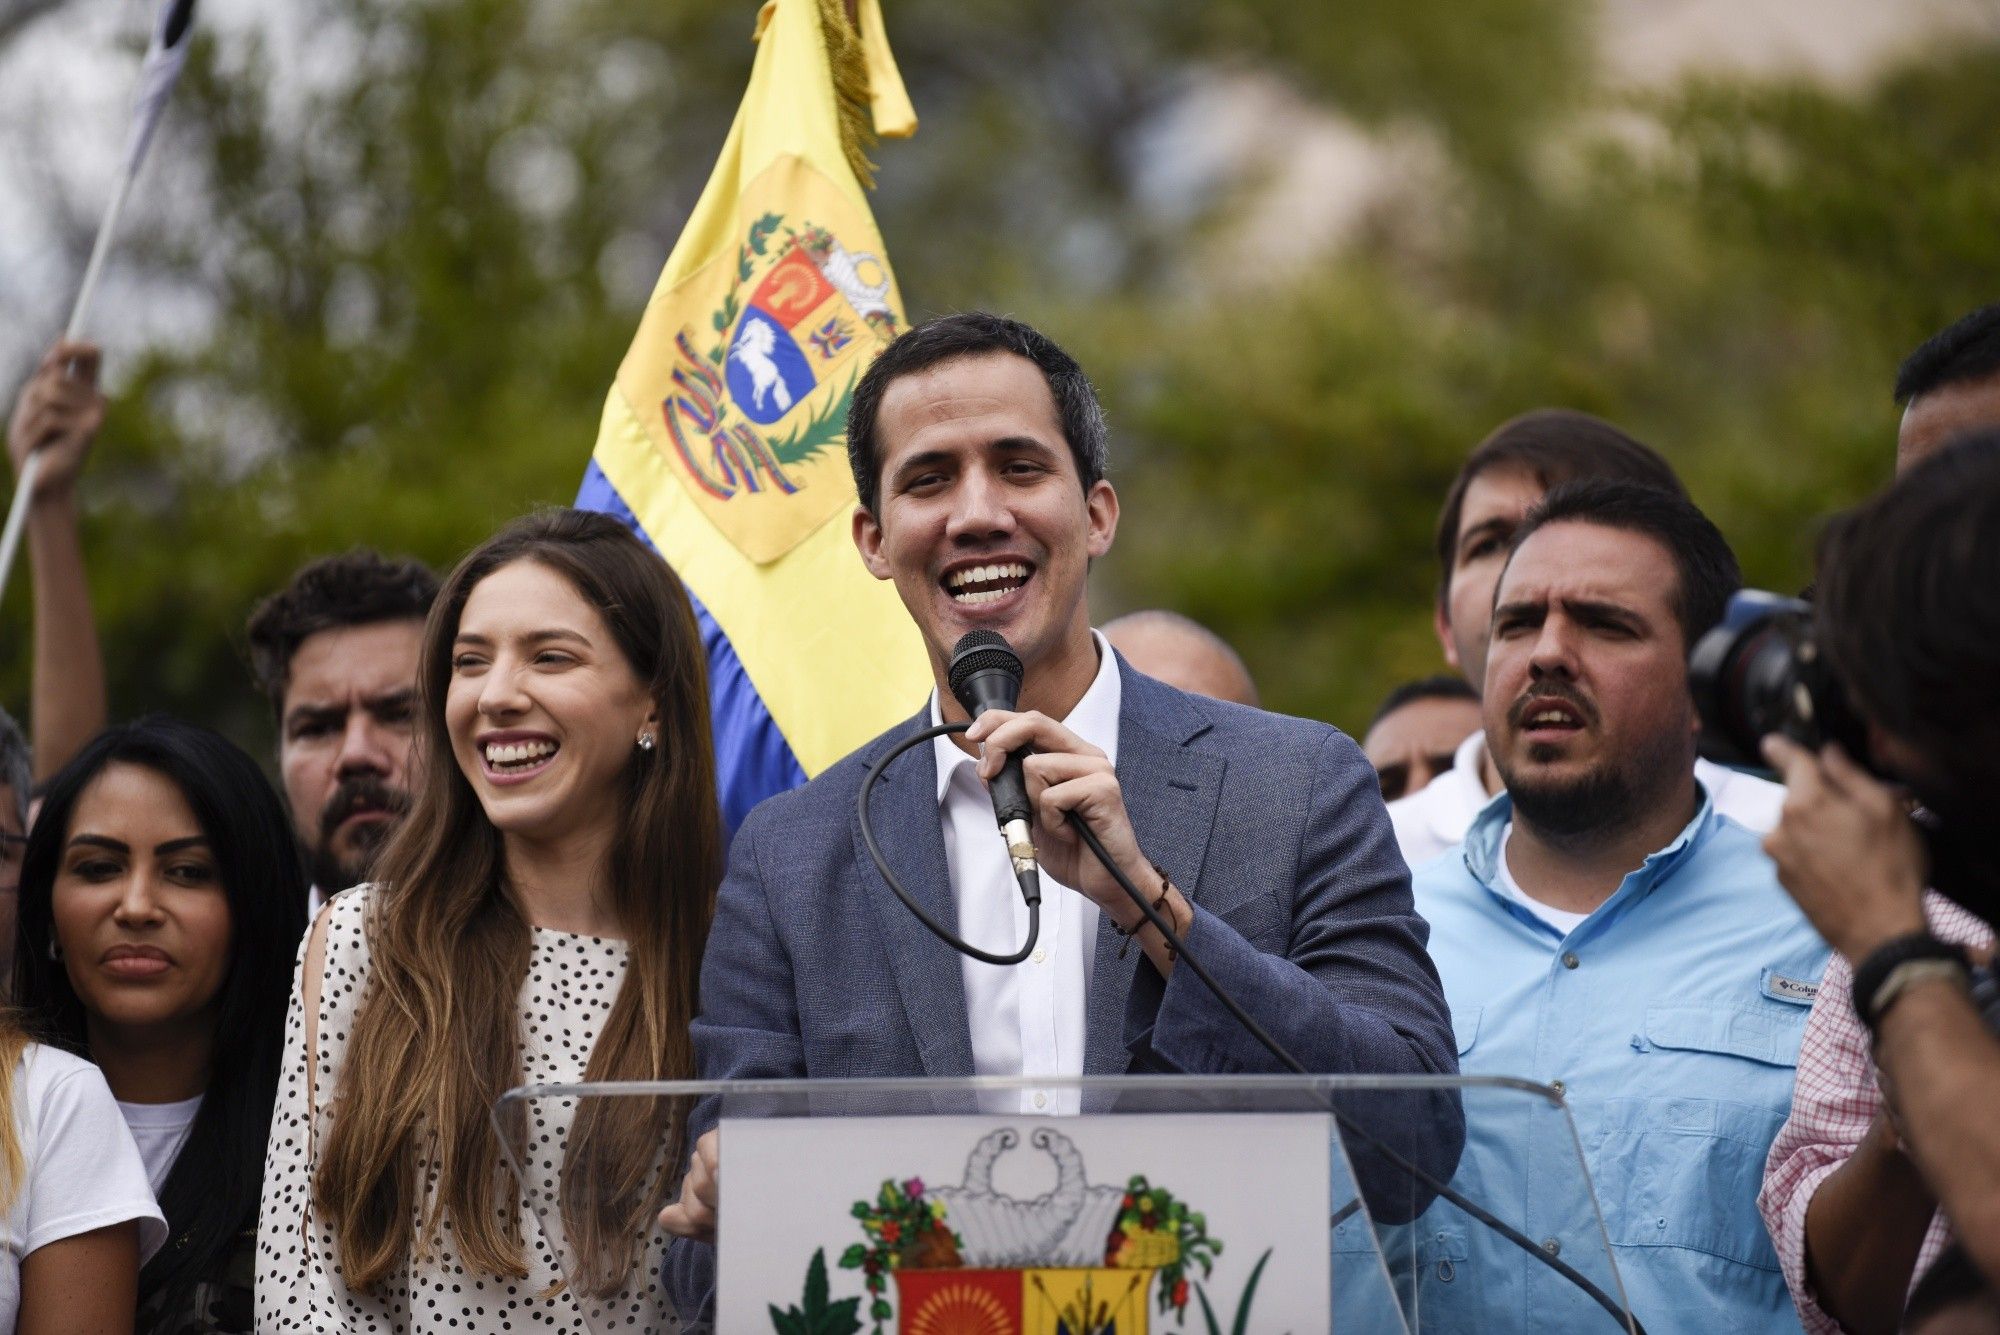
(985, 674)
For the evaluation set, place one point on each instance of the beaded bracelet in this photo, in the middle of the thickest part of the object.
(1159, 906)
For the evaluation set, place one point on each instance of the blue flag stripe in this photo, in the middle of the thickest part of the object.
(752, 759)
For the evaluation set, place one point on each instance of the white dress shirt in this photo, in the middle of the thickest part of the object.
(1436, 816)
(1027, 1019)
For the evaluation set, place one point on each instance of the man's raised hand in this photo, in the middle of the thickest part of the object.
(59, 413)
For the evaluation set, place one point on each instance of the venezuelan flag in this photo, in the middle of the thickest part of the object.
(723, 441)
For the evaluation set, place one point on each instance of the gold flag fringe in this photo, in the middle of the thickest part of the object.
(851, 95)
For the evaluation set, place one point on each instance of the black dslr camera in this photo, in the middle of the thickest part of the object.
(1760, 671)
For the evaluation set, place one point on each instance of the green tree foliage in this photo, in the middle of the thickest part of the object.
(425, 249)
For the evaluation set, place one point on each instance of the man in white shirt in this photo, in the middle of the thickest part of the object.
(1501, 480)
(978, 451)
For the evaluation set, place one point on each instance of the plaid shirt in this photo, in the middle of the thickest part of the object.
(1834, 1102)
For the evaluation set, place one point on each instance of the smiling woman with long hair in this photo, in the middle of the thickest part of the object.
(161, 895)
(540, 916)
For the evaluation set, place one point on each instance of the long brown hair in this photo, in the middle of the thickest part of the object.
(436, 1040)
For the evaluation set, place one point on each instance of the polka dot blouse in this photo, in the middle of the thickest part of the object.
(571, 983)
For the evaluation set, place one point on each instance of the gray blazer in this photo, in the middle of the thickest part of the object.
(1273, 828)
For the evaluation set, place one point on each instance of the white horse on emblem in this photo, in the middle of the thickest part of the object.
(753, 349)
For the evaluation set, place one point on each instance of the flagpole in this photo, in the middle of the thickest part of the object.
(156, 80)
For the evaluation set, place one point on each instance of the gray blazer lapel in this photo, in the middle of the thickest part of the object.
(1171, 792)
(904, 812)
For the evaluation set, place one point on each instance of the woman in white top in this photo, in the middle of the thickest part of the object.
(540, 917)
(76, 1215)
(161, 899)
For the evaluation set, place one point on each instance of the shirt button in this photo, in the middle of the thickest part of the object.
(1040, 955)
(1570, 961)
(1553, 1246)
(1558, 1086)
(1041, 1099)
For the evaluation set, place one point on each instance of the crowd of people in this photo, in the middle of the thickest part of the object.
(257, 1033)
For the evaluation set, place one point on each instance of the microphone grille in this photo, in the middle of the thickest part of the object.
(981, 651)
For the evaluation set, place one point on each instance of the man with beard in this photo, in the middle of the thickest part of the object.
(1604, 930)
(336, 652)
(1505, 476)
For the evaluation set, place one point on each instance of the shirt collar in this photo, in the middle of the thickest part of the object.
(1462, 788)
(1095, 717)
(1483, 841)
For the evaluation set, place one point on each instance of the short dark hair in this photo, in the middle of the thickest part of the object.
(1908, 611)
(1706, 567)
(969, 334)
(210, 1195)
(1444, 686)
(1966, 349)
(355, 588)
(1557, 445)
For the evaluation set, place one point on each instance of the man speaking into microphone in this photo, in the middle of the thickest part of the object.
(978, 449)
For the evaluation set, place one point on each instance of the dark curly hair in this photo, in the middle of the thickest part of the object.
(355, 588)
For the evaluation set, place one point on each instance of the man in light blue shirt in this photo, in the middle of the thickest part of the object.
(1604, 932)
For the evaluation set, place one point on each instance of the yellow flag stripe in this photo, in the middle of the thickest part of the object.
(832, 653)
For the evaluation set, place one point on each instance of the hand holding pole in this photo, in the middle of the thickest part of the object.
(165, 56)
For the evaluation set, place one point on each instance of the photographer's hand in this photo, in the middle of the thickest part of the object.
(1845, 849)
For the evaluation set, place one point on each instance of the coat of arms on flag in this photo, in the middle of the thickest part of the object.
(750, 362)
(723, 439)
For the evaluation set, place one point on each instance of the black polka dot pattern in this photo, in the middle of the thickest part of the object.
(571, 983)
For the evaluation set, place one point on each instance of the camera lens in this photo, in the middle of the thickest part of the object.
(1750, 677)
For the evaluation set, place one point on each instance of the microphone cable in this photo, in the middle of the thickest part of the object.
(1257, 1031)
(1030, 880)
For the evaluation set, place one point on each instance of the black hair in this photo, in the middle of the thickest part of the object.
(1966, 349)
(211, 1194)
(1444, 686)
(1706, 567)
(355, 588)
(1908, 611)
(969, 334)
(1557, 445)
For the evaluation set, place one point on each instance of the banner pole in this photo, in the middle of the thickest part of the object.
(157, 77)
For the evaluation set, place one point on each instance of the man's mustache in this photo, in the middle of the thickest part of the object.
(361, 792)
(1517, 713)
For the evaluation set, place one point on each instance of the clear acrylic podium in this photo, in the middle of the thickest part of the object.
(1099, 1206)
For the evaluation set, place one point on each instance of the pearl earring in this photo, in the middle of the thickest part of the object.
(645, 741)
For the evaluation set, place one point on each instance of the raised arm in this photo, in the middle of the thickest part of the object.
(1847, 852)
(58, 414)
(1944, 1064)
(1845, 1205)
